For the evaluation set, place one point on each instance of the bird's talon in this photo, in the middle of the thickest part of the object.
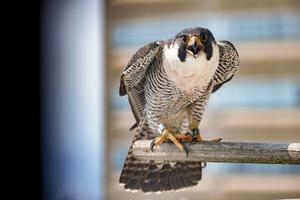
(152, 145)
(193, 141)
(186, 149)
(216, 140)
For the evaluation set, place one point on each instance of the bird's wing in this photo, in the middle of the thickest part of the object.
(228, 64)
(133, 78)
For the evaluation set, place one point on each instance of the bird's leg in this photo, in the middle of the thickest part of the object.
(195, 134)
(198, 138)
(167, 135)
(195, 113)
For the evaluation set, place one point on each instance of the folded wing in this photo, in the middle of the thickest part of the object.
(133, 78)
(228, 64)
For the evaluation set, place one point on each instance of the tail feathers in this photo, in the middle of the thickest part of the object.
(151, 176)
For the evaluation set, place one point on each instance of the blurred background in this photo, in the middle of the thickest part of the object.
(86, 44)
(261, 103)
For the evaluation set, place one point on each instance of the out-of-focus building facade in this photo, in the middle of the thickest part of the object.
(261, 103)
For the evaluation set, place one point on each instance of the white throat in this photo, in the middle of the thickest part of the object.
(193, 72)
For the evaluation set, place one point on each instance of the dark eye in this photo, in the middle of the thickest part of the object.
(203, 37)
(184, 38)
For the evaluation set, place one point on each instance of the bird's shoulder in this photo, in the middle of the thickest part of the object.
(135, 70)
(226, 48)
(228, 64)
(147, 51)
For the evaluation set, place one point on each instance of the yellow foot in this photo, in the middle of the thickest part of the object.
(215, 140)
(197, 136)
(167, 135)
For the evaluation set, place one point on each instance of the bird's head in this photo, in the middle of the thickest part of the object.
(193, 42)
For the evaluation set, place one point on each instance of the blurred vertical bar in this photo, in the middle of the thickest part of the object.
(73, 84)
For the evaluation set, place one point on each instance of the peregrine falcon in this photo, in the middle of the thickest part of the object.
(168, 84)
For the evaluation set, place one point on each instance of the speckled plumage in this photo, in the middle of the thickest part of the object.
(158, 95)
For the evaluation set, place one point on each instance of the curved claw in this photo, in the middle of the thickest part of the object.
(152, 145)
(216, 140)
(193, 141)
(186, 149)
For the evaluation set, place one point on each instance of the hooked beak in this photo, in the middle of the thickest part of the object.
(194, 46)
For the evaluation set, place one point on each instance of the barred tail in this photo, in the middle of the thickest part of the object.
(152, 176)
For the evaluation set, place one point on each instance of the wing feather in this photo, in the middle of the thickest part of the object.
(133, 77)
(228, 64)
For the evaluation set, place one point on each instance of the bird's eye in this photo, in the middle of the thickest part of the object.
(184, 38)
(203, 37)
